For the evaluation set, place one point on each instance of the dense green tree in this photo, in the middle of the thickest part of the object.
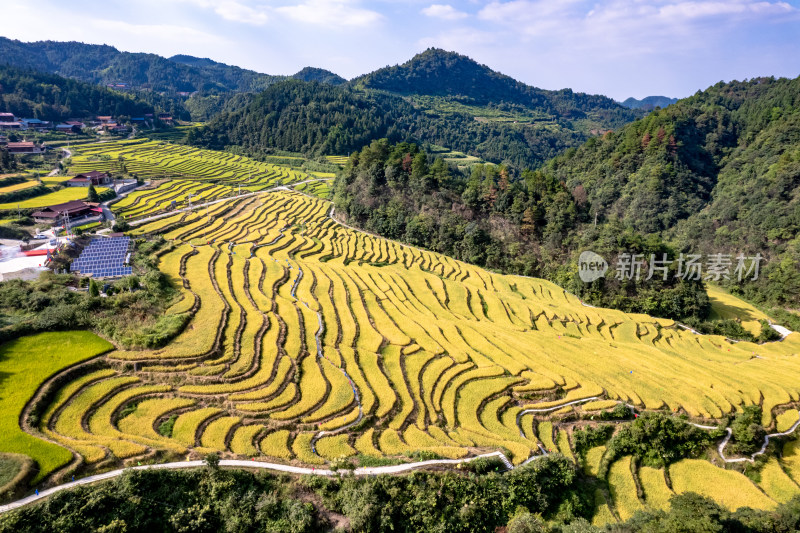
(92, 194)
(746, 430)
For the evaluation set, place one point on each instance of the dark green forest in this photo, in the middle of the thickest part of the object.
(718, 172)
(31, 94)
(319, 119)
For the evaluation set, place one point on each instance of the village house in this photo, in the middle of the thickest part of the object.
(34, 124)
(24, 147)
(68, 128)
(57, 214)
(94, 177)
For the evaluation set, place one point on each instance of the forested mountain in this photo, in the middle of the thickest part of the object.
(32, 94)
(438, 97)
(106, 65)
(440, 73)
(319, 74)
(321, 119)
(718, 172)
(648, 103)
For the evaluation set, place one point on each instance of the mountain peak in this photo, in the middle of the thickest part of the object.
(438, 72)
(193, 61)
(320, 75)
(648, 103)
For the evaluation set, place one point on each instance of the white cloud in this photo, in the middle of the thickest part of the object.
(238, 12)
(693, 10)
(462, 39)
(443, 11)
(169, 32)
(625, 27)
(331, 13)
(232, 10)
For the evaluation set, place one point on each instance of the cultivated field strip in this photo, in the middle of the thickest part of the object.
(309, 341)
(149, 159)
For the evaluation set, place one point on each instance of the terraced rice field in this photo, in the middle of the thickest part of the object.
(321, 189)
(25, 364)
(337, 159)
(724, 305)
(730, 489)
(61, 196)
(149, 159)
(302, 327)
(19, 186)
(174, 194)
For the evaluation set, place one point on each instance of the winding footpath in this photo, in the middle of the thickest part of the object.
(363, 471)
(236, 463)
(752, 458)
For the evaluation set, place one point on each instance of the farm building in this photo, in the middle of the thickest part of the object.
(34, 123)
(68, 128)
(26, 147)
(94, 177)
(11, 126)
(75, 209)
(7, 117)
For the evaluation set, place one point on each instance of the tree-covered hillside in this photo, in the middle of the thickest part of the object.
(437, 72)
(306, 117)
(33, 94)
(322, 119)
(716, 173)
(103, 64)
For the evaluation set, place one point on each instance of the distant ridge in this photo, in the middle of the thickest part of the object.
(441, 73)
(648, 103)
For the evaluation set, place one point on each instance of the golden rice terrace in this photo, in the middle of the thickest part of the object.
(309, 341)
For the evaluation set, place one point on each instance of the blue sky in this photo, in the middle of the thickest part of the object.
(618, 48)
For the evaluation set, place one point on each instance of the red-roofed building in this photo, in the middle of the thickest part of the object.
(55, 214)
(94, 177)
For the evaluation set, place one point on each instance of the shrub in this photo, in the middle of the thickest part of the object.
(658, 439)
(747, 432)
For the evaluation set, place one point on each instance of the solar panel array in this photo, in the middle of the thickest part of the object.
(104, 258)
